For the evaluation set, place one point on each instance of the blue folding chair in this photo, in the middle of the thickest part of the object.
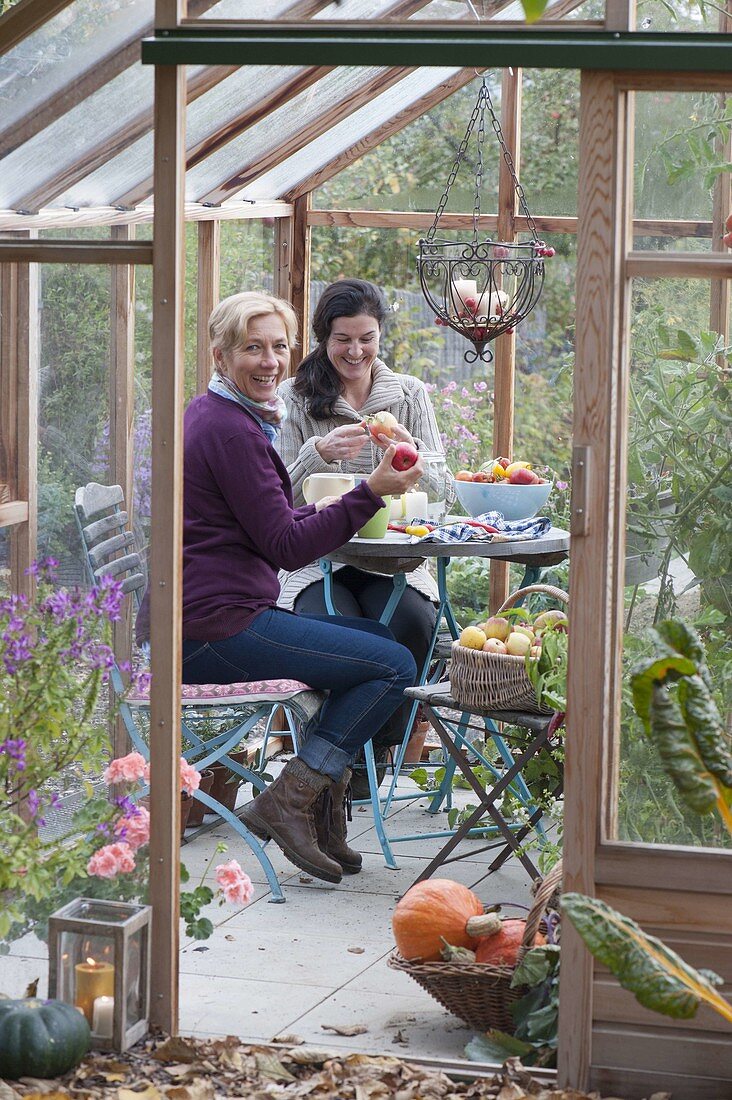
(231, 711)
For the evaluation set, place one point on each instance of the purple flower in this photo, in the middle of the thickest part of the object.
(33, 802)
(480, 386)
(15, 750)
(127, 805)
(562, 485)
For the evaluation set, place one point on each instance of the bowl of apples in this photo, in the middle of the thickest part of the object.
(514, 489)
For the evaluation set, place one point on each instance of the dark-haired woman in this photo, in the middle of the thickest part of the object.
(334, 388)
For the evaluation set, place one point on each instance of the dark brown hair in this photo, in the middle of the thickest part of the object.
(316, 379)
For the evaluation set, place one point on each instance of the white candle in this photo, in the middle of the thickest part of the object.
(103, 1017)
(491, 304)
(416, 506)
(462, 289)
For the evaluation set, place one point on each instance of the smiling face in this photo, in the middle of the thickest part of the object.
(259, 365)
(353, 345)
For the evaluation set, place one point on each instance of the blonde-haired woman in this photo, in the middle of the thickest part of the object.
(239, 528)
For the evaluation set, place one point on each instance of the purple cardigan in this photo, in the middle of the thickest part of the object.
(239, 524)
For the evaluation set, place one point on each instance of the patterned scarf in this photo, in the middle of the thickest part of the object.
(273, 413)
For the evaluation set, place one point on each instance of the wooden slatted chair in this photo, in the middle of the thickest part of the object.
(232, 711)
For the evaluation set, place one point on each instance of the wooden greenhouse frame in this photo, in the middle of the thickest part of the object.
(606, 1041)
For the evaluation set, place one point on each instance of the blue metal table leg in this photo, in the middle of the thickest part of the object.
(376, 807)
(327, 570)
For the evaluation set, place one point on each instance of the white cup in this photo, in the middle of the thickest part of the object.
(317, 486)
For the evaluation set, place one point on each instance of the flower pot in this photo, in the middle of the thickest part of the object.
(226, 783)
(644, 555)
(197, 810)
(415, 744)
(186, 803)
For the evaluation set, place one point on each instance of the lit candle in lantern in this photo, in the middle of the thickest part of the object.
(462, 289)
(93, 979)
(103, 1017)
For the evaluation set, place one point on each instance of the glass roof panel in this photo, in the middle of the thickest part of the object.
(298, 167)
(281, 125)
(248, 10)
(61, 145)
(121, 173)
(53, 56)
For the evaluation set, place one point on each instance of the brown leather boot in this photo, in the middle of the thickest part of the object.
(330, 825)
(285, 812)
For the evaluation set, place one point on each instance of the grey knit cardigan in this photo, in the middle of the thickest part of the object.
(401, 394)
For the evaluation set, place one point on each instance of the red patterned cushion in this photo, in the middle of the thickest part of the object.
(251, 691)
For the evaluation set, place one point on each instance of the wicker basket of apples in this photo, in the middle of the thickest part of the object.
(488, 661)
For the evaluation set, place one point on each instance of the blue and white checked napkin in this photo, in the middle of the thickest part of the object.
(517, 530)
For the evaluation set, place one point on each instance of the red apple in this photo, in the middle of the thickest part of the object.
(523, 476)
(405, 456)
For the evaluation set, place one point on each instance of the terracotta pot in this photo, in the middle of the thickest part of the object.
(197, 810)
(186, 802)
(226, 783)
(415, 744)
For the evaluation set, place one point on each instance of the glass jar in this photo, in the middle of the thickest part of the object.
(434, 483)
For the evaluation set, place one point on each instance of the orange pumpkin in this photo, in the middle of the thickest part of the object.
(437, 910)
(502, 948)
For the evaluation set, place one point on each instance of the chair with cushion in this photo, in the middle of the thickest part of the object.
(215, 718)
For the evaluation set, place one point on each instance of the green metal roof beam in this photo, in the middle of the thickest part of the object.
(438, 45)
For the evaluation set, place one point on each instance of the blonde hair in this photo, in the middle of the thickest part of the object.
(230, 319)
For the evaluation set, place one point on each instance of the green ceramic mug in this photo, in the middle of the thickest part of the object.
(377, 525)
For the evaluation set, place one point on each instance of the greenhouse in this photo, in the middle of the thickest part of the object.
(465, 266)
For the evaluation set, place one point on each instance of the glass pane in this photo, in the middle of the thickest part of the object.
(680, 150)
(344, 134)
(247, 255)
(409, 170)
(68, 44)
(239, 158)
(678, 561)
(77, 134)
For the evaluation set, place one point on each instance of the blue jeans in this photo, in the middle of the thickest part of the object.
(356, 660)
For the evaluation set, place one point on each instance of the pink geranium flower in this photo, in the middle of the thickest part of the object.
(135, 829)
(126, 769)
(235, 884)
(112, 860)
(190, 779)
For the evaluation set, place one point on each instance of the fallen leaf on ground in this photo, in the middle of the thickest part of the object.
(399, 1038)
(288, 1040)
(345, 1029)
(356, 950)
(176, 1049)
(148, 1093)
(199, 1089)
(7, 1092)
(270, 1066)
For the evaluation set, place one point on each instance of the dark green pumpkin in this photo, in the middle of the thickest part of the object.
(40, 1038)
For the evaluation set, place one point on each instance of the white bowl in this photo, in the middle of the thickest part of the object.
(512, 501)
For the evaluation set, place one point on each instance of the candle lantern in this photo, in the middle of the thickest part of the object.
(99, 961)
(481, 288)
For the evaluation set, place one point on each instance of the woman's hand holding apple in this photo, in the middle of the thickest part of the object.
(344, 442)
(387, 481)
(399, 435)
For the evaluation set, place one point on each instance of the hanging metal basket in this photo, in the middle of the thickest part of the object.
(481, 288)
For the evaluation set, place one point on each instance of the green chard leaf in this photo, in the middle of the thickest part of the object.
(705, 726)
(656, 975)
(496, 1046)
(679, 753)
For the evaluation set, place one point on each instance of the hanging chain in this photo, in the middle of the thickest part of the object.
(509, 163)
(477, 110)
(483, 101)
(478, 171)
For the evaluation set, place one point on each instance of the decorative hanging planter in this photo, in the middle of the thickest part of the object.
(481, 288)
